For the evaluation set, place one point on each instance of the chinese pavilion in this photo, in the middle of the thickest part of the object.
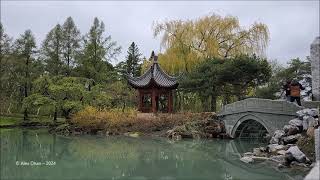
(155, 89)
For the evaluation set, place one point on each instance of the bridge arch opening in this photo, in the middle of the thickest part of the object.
(250, 129)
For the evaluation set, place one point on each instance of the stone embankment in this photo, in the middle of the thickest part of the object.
(293, 145)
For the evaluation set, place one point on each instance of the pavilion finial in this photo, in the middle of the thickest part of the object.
(154, 57)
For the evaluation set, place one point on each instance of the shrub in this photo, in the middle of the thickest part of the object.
(129, 119)
(90, 117)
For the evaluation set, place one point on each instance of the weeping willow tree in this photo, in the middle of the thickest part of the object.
(187, 43)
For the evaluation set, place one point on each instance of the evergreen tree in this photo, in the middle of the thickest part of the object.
(5, 48)
(52, 50)
(121, 69)
(5, 45)
(6, 75)
(25, 48)
(133, 60)
(71, 43)
(97, 53)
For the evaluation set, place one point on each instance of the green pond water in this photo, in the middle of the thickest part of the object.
(36, 154)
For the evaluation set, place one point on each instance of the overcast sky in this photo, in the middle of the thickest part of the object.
(293, 25)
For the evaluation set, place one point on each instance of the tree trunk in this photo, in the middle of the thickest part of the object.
(226, 99)
(68, 59)
(55, 116)
(8, 110)
(124, 106)
(25, 113)
(213, 103)
(66, 114)
(205, 103)
(68, 70)
(38, 111)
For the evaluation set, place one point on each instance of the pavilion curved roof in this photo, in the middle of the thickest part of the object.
(154, 75)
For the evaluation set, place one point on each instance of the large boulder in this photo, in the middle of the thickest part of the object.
(295, 122)
(247, 159)
(297, 154)
(281, 152)
(278, 134)
(288, 158)
(291, 139)
(248, 154)
(300, 114)
(311, 121)
(305, 123)
(258, 152)
(307, 112)
(278, 158)
(290, 129)
(311, 112)
(275, 147)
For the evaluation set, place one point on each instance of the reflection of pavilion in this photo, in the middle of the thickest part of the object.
(155, 89)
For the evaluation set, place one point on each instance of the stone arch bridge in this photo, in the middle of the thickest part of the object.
(257, 117)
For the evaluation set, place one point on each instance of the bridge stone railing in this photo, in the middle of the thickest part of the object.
(260, 105)
(272, 114)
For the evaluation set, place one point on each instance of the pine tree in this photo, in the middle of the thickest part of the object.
(71, 43)
(133, 60)
(7, 85)
(5, 48)
(97, 53)
(52, 49)
(25, 48)
(121, 69)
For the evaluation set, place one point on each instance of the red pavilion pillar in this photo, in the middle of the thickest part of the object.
(153, 101)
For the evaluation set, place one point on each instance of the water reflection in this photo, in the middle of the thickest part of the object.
(89, 157)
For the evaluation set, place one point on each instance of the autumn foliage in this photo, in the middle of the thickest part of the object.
(188, 42)
(117, 120)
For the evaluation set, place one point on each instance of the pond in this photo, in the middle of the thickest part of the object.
(36, 154)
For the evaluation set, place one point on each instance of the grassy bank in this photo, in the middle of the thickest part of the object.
(119, 121)
(16, 120)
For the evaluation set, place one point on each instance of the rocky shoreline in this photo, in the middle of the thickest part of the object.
(293, 146)
(208, 127)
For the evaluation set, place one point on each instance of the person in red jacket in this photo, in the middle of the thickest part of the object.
(286, 89)
(295, 91)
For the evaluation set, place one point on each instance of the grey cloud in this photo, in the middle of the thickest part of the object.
(293, 24)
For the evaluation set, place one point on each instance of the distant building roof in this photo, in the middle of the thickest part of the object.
(154, 75)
